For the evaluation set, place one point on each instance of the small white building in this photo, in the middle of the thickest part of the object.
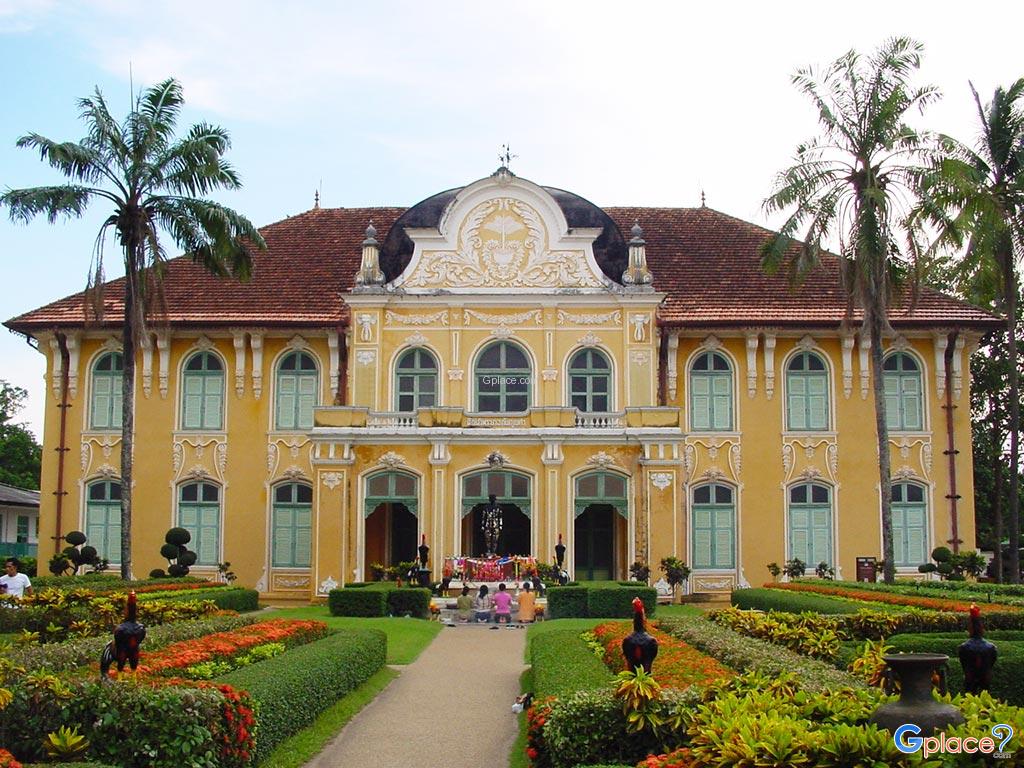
(19, 521)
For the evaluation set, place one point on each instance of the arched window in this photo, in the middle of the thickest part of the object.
(202, 405)
(291, 537)
(714, 527)
(103, 518)
(199, 513)
(296, 391)
(107, 373)
(502, 379)
(711, 393)
(901, 376)
(415, 380)
(807, 393)
(810, 524)
(590, 381)
(909, 525)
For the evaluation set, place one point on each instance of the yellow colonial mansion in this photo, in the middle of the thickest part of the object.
(625, 378)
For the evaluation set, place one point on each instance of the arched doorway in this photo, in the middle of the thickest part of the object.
(601, 527)
(512, 490)
(390, 514)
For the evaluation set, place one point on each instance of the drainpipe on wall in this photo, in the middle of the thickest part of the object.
(951, 449)
(62, 447)
(663, 367)
(340, 394)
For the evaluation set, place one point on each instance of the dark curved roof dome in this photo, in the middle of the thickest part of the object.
(610, 248)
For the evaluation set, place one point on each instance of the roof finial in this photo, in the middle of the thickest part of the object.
(506, 156)
(703, 202)
(316, 198)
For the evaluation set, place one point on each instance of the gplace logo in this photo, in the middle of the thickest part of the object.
(908, 741)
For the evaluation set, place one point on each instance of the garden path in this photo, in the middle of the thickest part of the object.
(451, 708)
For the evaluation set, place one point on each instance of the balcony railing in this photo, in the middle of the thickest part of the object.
(392, 419)
(600, 420)
(18, 549)
(454, 417)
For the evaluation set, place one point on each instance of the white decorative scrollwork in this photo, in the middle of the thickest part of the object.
(639, 322)
(366, 321)
(601, 460)
(221, 452)
(503, 244)
(810, 473)
(198, 472)
(712, 584)
(711, 343)
(177, 457)
(639, 357)
(496, 459)
(326, 586)
(905, 473)
(510, 319)
(416, 339)
(294, 472)
(806, 343)
(661, 480)
(589, 340)
(689, 459)
(713, 474)
(332, 479)
(366, 356)
(203, 344)
(926, 458)
(393, 318)
(502, 332)
(735, 460)
(455, 374)
(832, 457)
(391, 460)
(85, 456)
(293, 582)
(106, 471)
(271, 457)
(549, 374)
(614, 317)
(787, 459)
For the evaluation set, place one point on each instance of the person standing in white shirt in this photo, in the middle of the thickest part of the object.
(14, 583)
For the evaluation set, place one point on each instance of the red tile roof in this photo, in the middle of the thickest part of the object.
(707, 263)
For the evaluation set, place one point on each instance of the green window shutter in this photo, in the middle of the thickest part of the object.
(96, 527)
(213, 416)
(724, 539)
(700, 417)
(912, 403)
(307, 399)
(817, 402)
(702, 557)
(286, 400)
(891, 385)
(821, 536)
(284, 537)
(192, 407)
(208, 547)
(303, 537)
(101, 401)
(796, 402)
(722, 402)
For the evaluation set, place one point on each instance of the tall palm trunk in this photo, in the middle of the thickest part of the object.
(997, 487)
(128, 338)
(874, 321)
(1010, 288)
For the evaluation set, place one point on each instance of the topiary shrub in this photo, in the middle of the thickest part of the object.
(291, 690)
(567, 603)
(617, 602)
(357, 602)
(412, 601)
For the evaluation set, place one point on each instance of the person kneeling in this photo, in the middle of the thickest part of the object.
(503, 605)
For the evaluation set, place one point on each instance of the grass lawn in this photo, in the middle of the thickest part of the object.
(671, 611)
(406, 637)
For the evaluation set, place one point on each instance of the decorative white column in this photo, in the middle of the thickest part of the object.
(146, 342)
(256, 340)
(769, 365)
(238, 338)
(751, 365)
(58, 365)
(847, 365)
(864, 347)
(332, 346)
(941, 343)
(958, 361)
(74, 350)
(163, 346)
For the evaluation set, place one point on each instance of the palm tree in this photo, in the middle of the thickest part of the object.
(976, 196)
(153, 184)
(852, 184)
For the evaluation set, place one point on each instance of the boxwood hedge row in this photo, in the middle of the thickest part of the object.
(371, 600)
(794, 602)
(608, 599)
(292, 689)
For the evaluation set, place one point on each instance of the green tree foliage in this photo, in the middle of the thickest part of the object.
(20, 454)
(851, 184)
(975, 196)
(154, 186)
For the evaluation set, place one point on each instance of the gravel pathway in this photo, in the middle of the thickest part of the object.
(451, 708)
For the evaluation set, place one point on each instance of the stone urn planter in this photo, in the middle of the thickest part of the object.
(916, 704)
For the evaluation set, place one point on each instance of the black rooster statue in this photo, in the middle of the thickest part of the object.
(639, 648)
(977, 656)
(124, 648)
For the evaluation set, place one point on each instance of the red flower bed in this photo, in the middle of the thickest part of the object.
(7, 760)
(177, 587)
(227, 645)
(678, 665)
(932, 603)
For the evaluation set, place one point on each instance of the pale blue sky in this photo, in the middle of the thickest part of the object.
(385, 103)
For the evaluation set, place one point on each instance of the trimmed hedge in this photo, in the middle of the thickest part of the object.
(70, 654)
(106, 582)
(127, 725)
(292, 689)
(793, 602)
(238, 599)
(372, 600)
(563, 664)
(599, 600)
(1007, 674)
(357, 602)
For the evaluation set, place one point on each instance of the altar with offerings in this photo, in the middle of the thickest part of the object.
(491, 569)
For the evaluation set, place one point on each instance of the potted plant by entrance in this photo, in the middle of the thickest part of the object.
(676, 572)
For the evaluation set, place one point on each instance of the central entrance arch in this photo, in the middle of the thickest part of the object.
(601, 527)
(390, 519)
(512, 490)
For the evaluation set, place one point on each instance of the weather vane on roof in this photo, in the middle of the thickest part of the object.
(506, 156)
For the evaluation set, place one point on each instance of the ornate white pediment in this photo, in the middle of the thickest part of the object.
(502, 233)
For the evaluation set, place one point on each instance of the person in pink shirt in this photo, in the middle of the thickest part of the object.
(503, 605)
